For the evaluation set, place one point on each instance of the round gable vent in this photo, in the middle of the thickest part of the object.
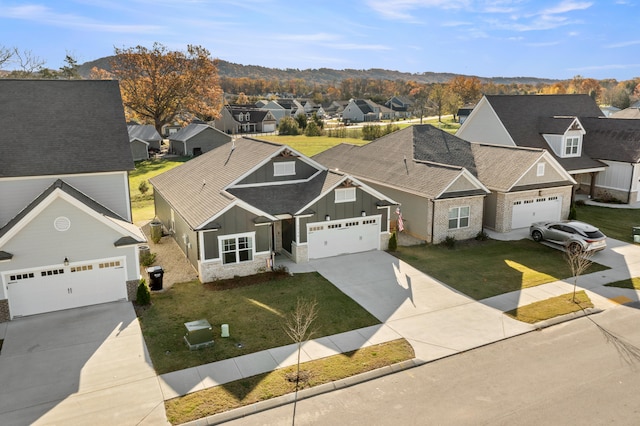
(62, 223)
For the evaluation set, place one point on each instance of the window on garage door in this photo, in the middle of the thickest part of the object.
(458, 217)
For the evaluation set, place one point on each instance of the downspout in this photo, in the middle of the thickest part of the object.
(433, 218)
(633, 169)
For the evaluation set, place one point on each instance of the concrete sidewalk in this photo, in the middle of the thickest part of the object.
(437, 320)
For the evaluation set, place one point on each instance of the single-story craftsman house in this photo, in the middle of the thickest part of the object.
(232, 209)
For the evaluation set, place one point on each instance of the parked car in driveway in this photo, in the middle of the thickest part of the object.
(574, 235)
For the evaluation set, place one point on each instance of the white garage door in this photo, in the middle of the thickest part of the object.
(525, 212)
(65, 287)
(336, 237)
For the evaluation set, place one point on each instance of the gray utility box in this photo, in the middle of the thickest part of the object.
(199, 334)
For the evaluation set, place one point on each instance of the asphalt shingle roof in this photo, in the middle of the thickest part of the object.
(145, 132)
(390, 160)
(55, 127)
(521, 114)
(616, 139)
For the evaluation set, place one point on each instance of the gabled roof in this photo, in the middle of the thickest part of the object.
(401, 160)
(144, 132)
(90, 204)
(192, 130)
(520, 114)
(557, 125)
(256, 115)
(615, 139)
(196, 189)
(57, 127)
(366, 106)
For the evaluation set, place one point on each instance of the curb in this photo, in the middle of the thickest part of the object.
(568, 317)
(247, 410)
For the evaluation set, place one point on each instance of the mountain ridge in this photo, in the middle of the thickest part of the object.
(325, 76)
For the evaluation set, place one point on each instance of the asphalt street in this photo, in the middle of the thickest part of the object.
(586, 371)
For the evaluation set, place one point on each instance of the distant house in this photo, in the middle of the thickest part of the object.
(236, 119)
(464, 112)
(196, 139)
(283, 107)
(609, 110)
(334, 108)
(362, 110)
(601, 154)
(66, 237)
(143, 139)
(400, 106)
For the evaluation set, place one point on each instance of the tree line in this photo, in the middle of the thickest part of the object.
(161, 86)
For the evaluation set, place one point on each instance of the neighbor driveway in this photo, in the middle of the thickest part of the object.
(81, 366)
(437, 320)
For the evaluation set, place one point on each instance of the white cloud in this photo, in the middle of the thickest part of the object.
(566, 6)
(623, 44)
(47, 16)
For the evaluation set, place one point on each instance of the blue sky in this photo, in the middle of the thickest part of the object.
(548, 39)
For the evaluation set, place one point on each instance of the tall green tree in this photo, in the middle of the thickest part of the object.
(158, 85)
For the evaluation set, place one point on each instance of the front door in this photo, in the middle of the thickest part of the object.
(288, 231)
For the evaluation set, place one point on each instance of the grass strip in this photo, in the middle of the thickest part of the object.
(282, 381)
(551, 308)
(632, 283)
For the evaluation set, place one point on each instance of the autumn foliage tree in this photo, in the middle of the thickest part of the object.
(159, 85)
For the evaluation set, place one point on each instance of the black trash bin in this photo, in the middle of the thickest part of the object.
(155, 277)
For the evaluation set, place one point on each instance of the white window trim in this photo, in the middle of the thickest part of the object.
(284, 168)
(222, 238)
(459, 217)
(540, 169)
(345, 195)
(578, 146)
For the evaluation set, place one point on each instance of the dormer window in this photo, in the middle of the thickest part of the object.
(572, 146)
(248, 117)
(240, 117)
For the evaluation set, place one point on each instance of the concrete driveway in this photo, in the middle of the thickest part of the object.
(437, 320)
(82, 366)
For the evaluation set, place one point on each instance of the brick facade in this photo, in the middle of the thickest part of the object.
(441, 222)
(504, 204)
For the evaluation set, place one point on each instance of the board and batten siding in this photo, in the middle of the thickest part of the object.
(86, 239)
(236, 221)
(109, 189)
(336, 211)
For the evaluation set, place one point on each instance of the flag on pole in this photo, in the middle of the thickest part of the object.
(400, 221)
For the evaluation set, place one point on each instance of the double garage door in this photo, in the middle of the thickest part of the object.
(331, 238)
(525, 212)
(64, 287)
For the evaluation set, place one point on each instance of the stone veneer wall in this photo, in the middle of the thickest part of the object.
(132, 290)
(384, 240)
(212, 271)
(4, 310)
(300, 252)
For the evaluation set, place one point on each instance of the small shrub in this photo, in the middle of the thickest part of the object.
(313, 129)
(573, 214)
(580, 203)
(450, 242)
(143, 187)
(143, 296)
(482, 236)
(281, 270)
(393, 242)
(147, 259)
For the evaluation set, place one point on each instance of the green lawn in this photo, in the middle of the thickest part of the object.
(551, 308)
(255, 314)
(632, 283)
(482, 269)
(311, 145)
(614, 223)
(142, 204)
(280, 382)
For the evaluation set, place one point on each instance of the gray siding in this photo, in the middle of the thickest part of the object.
(185, 237)
(40, 244)
(206, 140)
(139, 150)
(109, 189)
(265, 173)
(236, 221)
(416, 211)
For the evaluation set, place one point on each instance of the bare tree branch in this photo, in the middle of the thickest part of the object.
(578, 261)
